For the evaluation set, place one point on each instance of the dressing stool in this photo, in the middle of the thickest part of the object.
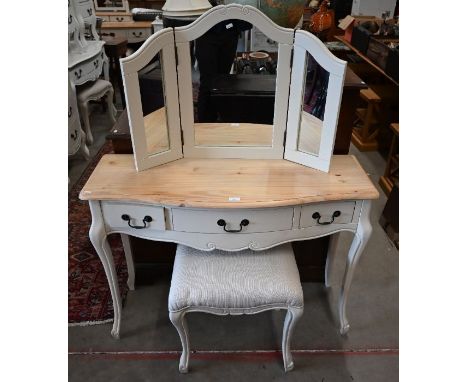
(243, 282)
(93, 91)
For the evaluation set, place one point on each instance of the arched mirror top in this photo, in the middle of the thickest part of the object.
(237, 12)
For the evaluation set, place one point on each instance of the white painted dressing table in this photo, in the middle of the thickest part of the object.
(86, 62)
(228, 204)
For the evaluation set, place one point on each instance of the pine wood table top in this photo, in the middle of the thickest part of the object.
(227, 183)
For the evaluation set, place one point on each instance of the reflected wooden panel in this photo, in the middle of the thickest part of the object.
(233, 134)
(157, 138)
(309, 134)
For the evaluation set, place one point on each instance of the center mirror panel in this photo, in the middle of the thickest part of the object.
(233, 101)
(234, 90)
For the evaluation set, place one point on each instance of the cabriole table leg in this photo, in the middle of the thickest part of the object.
(361, 237)
(98, 236)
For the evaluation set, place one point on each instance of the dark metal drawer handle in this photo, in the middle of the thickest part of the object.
(137, 35)
(70, 111)
(90, 11)
(317, 216)
(146, 219)
(120, 18)
(243, 223)
(74, 135)
(78, 74)
(96, 63)
(70, 18)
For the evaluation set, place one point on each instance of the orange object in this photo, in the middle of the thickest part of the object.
(322, 19)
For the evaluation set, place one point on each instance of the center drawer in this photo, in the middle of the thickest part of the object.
(222, 221)
(118, 216)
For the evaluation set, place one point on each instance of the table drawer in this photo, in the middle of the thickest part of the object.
(115, 214)
(114, 32)
(120, 18)
(138, 34)
(211, 221)
(322, 214)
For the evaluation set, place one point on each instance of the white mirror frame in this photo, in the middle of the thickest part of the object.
(307, 42)
(285, 39)
(123, 8)
(163, 42)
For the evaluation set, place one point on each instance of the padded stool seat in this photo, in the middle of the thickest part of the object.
(93, 91)
(243, 282)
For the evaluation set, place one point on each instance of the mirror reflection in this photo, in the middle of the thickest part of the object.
(151, 82)
(312, 115)
(233, 88)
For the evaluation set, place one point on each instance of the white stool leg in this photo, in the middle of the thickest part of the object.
(110, 105)
(178, 320)
(292, 316)
(85, 116)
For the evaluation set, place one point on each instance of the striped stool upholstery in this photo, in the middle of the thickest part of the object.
(244, 282)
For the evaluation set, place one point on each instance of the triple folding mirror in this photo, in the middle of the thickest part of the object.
(196, 92)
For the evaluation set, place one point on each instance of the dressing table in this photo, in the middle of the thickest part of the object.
(86, 62)
(230, 186)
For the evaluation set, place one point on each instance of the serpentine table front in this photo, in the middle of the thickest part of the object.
(228, 204)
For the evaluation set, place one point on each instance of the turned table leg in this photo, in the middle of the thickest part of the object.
(361, 237)
(98, 236)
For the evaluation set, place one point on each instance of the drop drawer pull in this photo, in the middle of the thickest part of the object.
(243, 223)
(146, 219)
(317, 216)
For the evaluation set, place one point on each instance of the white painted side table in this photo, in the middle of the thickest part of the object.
(228, 204)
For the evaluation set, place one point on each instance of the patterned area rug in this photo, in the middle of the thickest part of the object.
(89, 297)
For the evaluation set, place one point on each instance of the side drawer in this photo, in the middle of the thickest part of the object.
(120, 18)
(113, 212)
(113, 32)
(310, 213)
(206, 221)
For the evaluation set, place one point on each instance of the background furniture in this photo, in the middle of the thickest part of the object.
(366, 125)
(114, 5)
(86, 62)
(391, 175)
(92, 92)
(389, 220)
(76, 136)
(133, 31)
(366, 59)
(116, 48)
(282, 201)
(244, 282)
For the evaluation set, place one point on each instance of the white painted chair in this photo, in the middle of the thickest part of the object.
(243, 282)
(93, 91)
